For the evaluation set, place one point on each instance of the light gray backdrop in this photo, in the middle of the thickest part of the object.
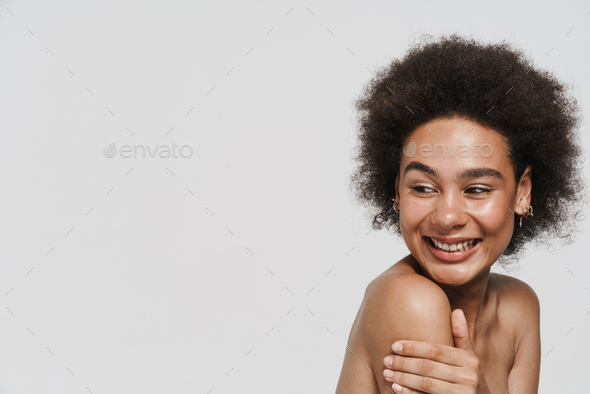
(241, 267)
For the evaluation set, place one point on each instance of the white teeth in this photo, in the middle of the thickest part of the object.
(453, 247)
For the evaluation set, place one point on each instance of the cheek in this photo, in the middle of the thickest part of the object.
(412, 215)
(496, 219)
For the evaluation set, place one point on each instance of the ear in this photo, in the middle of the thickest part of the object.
(523, 191)
(397, 189)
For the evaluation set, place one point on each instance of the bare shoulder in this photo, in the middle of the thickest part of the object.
(518, 306)
(514, 295)
(396, 305)
(402, 306)
(401, 288)
(404, 293)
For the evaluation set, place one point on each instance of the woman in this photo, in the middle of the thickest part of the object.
(469, 153)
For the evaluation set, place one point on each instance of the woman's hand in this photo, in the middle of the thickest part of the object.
(423, 367)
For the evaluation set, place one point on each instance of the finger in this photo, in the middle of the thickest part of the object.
(432, 351)
(460, 330)
(423, 367)
(405, 390)
(421, 383)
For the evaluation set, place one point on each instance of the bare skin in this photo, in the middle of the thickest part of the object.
(413, 300)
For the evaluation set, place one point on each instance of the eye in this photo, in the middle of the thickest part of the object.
(422, 189)
(478, 190)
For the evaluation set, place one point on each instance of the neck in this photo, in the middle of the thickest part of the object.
(471, 298)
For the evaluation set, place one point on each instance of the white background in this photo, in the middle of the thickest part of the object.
(241, 268)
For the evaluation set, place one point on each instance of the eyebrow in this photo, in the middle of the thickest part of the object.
(467, 173)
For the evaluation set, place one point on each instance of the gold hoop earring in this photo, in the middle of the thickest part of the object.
(527, 212)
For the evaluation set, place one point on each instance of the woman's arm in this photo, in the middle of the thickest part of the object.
(356, 377)
(524, 312)
(398, 306)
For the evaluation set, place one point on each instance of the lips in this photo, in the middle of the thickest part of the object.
(452, 256)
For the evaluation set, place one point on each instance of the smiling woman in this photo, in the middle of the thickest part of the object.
(459, 140)
(454, 208)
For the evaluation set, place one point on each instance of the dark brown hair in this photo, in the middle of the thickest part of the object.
(496, 86)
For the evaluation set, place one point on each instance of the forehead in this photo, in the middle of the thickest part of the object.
(451, 145)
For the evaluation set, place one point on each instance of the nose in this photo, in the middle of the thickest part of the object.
(449, 211)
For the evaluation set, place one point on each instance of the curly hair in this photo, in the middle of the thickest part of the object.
(496, 86)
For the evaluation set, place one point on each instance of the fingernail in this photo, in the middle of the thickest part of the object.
(397, 347)
(388, 361)
(397, 388)
(388, 373)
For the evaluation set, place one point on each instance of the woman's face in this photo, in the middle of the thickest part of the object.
(456, 186)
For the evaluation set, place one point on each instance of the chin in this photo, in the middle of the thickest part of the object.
(450, 275)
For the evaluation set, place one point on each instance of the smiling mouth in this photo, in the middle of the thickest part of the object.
(454, 247)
